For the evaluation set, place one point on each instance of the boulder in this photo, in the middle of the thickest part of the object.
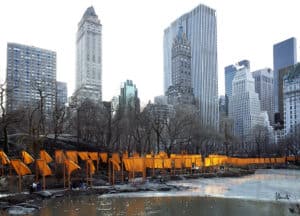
(44, 194)
(19, 210)
(3, 184)
(4, 205)
(28, 205)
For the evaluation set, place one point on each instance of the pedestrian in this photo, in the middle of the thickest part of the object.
(38, 186)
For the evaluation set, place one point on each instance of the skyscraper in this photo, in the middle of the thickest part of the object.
(244, 106)
(31, 77)
(264, 86)
(181, 91)
(89, 57)
(284, 54)
(230, 72)
(200, 28)
(128, 99)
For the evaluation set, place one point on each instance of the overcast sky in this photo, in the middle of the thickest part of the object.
(133, 35)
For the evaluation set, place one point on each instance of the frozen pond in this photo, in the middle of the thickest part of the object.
(261, 186)
(249, 195)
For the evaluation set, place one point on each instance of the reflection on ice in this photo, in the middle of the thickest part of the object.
(216, 189)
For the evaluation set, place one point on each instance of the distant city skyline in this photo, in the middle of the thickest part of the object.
(133, 36)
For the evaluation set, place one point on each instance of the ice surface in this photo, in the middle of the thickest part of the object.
(262, 185)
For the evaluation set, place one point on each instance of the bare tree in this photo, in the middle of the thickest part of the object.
(291, 143)
(7, 118)
(156, 124)
(58, 118)
(226, 128)
(92, 122)
(178, 127)
(45, 90)
(260, 136)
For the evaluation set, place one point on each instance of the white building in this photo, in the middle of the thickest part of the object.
(265, 88)
(244, 107)
(89, 57)
(291, 100)
(200, 28)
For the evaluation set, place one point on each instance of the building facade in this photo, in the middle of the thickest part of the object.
(230, 72)
(161, 99)
(128, 99)
(264, 86)
(160, 112)
(89, 57)
(222, 105)
(284, 55)
(181, 91)
(291, 101)
(279, 115)
(244, 106)
(200, 28)
(61, 93)
(30, 77)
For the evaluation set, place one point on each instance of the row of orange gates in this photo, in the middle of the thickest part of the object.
(132, 165)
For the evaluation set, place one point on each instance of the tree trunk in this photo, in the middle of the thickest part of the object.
(258, 148)
(109, 132)
(226, 148)
(78, 128)
(55, 134)
(157, 140)
(6, 147)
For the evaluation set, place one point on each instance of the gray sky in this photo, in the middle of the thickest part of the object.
(133, 35)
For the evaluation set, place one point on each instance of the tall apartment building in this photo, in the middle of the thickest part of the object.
(89, 57)
(284, 55)
(291, 100)
(181, 91)
(200, 28)
(264, 86)
(244, 107)
(30, 76)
